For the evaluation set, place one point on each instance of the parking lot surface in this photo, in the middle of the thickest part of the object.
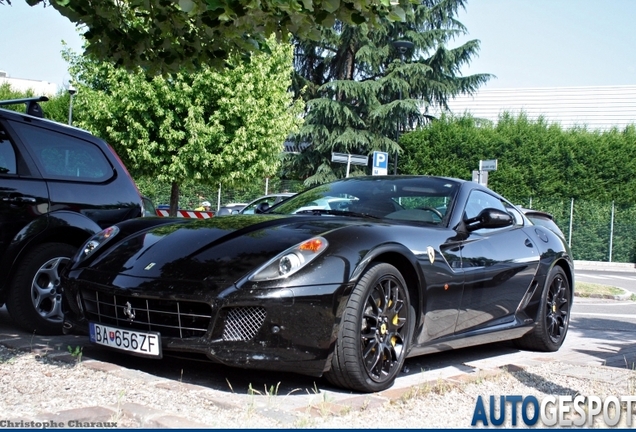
(592, 340)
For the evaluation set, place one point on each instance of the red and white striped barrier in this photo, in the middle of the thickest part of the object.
(194, 214)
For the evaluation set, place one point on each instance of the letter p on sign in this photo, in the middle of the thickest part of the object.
(380, 163)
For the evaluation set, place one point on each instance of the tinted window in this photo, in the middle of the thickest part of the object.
(415, 199)
(7, 155)
(60, 156)
(479, 201)
(250, 209)
(515, 213)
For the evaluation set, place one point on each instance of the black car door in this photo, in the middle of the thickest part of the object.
(23, 196)
(444, 285)
(499, 266)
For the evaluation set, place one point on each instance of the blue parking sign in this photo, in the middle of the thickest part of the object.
(380, 163)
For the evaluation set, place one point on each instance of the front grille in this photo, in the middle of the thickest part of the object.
(171, 318)
(242, 323)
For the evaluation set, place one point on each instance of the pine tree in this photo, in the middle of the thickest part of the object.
(362, 91)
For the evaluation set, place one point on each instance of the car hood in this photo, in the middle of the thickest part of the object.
(221, 249)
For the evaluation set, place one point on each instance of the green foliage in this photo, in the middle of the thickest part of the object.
(168, 35)
(8, 93)
(536, 158)
(56, 108)
(543, 166)
(76, 352)
(211, 127)
(362, 91)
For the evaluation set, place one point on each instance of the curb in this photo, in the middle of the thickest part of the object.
(627, 295)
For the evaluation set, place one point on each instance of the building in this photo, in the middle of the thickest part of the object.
(597, 108)
(40, 88)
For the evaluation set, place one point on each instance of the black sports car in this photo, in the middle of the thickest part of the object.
(344, 280)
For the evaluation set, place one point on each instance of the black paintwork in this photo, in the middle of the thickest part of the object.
(481, 281)
(36, 207)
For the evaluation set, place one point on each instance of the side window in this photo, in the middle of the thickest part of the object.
(7, 155)
(478, 200)
(251, 209)
(64, 157)
(515, 214)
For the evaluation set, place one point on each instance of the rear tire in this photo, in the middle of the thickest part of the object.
(375, 332)
(35, 295)
(553, 319)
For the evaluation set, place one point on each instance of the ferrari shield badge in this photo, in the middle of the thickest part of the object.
(431, 254)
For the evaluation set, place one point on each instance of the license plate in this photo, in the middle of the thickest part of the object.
(141, 343)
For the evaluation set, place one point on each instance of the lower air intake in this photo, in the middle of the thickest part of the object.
(242, 323)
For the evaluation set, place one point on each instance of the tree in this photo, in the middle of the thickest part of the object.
(207, 126)
(362, 91)
(167, 35)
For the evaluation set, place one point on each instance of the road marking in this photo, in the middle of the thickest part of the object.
(604, 315)
(620, 303)
(623, 277)
(590, 276)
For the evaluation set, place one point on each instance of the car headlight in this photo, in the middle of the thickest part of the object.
(290, 261)
(95, 242)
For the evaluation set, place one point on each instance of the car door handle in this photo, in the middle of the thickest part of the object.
(529, 243)
(19, 199)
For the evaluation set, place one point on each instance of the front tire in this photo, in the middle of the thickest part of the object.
(375, 332)
(35, 294)
(554, 315)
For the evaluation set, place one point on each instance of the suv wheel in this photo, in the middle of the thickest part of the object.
(35, 294)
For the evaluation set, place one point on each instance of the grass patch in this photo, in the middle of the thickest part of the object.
(585, 289)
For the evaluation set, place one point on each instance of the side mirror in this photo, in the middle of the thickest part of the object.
(489, 218)
(261, 208)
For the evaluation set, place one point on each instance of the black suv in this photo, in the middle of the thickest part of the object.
(58, 186)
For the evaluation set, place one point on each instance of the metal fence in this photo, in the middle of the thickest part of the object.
(596, 231)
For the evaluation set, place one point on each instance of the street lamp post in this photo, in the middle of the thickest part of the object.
(402, 46)
(71, 91)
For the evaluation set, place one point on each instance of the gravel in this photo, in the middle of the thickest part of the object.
(36, 387)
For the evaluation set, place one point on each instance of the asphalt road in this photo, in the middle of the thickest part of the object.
(625, 280)
(601, 314)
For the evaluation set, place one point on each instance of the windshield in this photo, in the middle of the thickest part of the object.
(417, 199)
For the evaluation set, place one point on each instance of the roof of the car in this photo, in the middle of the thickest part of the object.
(45, 121)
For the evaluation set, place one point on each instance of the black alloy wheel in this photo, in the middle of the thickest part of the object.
(553, 319)
(375, 332)
(557, 309)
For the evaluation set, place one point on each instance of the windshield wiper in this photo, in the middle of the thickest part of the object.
(319, 212)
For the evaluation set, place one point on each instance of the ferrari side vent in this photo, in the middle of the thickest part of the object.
(242, 323)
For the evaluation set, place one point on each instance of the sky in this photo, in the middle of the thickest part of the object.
(524, 43)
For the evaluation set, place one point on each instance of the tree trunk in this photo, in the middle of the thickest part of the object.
(174, 199)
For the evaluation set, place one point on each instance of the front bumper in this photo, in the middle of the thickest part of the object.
(290, 329)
